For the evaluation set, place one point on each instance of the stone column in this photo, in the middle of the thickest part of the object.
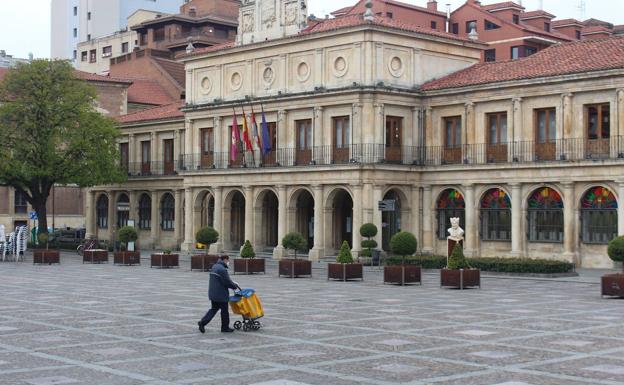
(620, 210)
(153, 151)
(283, 141)
(357, 220)
(471, 225)
(178, 155)
(217, 247)
(249, 214)
(469, 134)
(279, 251)
(112, 215)
(179, 222)
(516, 131)
(380, 127)
(372, 205)
(317, 135)
(569, 223)
(427, 233)
(415, 215)
(134, 207)
(189, 221)
(566, 130)
(619, 144)
(132, 151)
(217, 131)
(357, 129)
(516, 219)
(318, 250)
(188, 139)
(155, 220)
(89, 214)
(377, 196)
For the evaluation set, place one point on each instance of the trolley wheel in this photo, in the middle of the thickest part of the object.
(245, 327)
(237, 325)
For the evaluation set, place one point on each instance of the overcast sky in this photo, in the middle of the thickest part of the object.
(25, 25)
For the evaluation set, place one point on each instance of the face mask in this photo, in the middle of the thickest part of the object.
(227, 264)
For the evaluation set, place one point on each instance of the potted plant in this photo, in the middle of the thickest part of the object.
(204, 261)
(45, 256)
(294, 267)
(248, 263)
(126, 235)
(404, 244)
(344, 268)
(368, 231)
(165, 259)
(458, 272)
(613, 284)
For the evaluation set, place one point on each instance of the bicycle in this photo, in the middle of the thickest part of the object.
(88, 244)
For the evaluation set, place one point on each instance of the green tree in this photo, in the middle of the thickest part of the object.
(404, 244)
(344, 256)
(51, 133)
(247, 251)
(615, 250)
(294, 241)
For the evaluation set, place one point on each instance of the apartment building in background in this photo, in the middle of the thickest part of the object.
(7, 61)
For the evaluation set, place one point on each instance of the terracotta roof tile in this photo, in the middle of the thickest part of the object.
(212, 48)
(341, 11)
(505, 4)
(174, 69)
(399, 4)
(561, 59)
(145, 91)
(167, 112)
(562, 22)
(596, 29)
(531, 14)
(99, 78)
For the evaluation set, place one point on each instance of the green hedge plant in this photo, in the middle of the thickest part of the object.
(294, 241)
(521, 265)
(457, 260)
(368, 231)
(247, 251)
(615, 250)
(344, 256)
(404, 244)
(207, 236)
(424, 261)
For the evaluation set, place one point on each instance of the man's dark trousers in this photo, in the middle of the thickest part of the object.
(225, 314)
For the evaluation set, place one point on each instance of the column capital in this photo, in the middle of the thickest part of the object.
(282, 187)
(217, 120)
(357, 186)
(517, 100)
(416, 108)
(567, 185)
(378, 105)
(515, 185)
(317, 187)
(426, 187)
(428, 109)
(188, 189)
(357, 105)
(318, 109)
(567, 95)
(620, 91)
(468, 185)
(217, 188)
(282, 112)
(131, 136)
(469, 105)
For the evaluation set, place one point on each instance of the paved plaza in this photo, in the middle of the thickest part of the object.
(107, 324)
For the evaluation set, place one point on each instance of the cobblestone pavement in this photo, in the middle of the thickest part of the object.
(107, 324)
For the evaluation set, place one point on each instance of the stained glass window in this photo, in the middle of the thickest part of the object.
(145, 212)
(450, 205)
(495, 216)
(545, 216)
(598, 216)
(102, 212)
(167, 212)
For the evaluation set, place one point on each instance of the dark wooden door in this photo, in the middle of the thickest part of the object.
(303, 154)
(341, 139)
(168, 156)
(545, 134)
(497, 137)
(269, 158)
(452, 152)
(124, 156)
(207, 147)
(394, 139)
(146, 149)
(598, 123)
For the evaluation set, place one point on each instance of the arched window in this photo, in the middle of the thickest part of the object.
(101, 209)
(450, 204)
(167, 212)
(123, 210)
(599, 221)
(495, 216)
(545, 216)
(145, 212)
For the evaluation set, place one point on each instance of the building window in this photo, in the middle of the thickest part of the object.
(468, 24)
(489, 25)
(20, 203)
(124, 155)
(89, 37)
(75, 11)
(389, 15)
(452, 139)
(341, 138)
(545, 216)
(124, 47)
(490, 55)
(145, 212)
(93, 56)
(434, 25)
(495, 216)
(107, 51)
(84, 55)
(516, 19)
(123, 210)
(547, 27)
(455, 28)
(450, 204)
(159, 34)
(167, 212)
(497, 128)
(520, 51)
(304, 141)
(578, 35)
(88, 15)
(101, 209)
(75, 55)
(207, 141)
(75, 32)
(599, 221)
(545, 134)
(598, 121)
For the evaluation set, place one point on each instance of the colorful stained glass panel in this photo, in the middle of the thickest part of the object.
(545, 198)
(495, 199)
(451, 199)
(599, 198)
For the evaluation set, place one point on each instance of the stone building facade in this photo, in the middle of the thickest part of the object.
(527, 153)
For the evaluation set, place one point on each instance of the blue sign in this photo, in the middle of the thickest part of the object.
(32, 215)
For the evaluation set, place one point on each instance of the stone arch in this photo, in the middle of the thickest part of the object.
(122, 209)
(394, 221)
(530, 189)
(545, 212)
(449, 203)
(495, 214)
(203, 209)
(599, 215)
(234, 219)
(338, 218)
(266, 208)
(301, 213)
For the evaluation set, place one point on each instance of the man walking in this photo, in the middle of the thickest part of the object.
(219, 295)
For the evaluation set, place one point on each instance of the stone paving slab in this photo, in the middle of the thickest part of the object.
(107, 324)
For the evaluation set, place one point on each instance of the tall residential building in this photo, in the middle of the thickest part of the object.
(74, 21)
(7, 61)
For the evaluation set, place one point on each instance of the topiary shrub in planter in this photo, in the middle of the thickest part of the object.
(424, 261)
(458, 273)
(368, 231)
(613, 284)
(294, 267)
(204, 261)
(165, 259)
(521, 265)
(344, 268)
(45, 256)
(124, 257)
(248, 263)
(403, 244)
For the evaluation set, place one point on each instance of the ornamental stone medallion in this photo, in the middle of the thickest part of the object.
(267, 12)
(268, 76)
(248, 22)
(396, 67)
(340, 66)
(303, 71)
(236, 81)
(206, 85)
(290, 13)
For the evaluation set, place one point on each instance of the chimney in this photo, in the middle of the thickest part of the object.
(432, 5)
(192, 12)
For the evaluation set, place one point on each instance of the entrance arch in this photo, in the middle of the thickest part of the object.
(391, 221)
(341, 227)
(235, 220)
(599, 220)
(450, 204)
(123, 210)
(301, 214)
(266, 219)
(206, 209)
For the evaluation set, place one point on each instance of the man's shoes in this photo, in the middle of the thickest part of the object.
(202, 329)
(228, 330)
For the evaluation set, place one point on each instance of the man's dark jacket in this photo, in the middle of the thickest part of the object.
(220, 282)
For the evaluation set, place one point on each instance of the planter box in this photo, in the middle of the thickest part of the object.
(127, 258)
(345, 271)
(294, 268)
(165, 260)
(461, 278)
(95, 256)
(203, 262)
(613, 285)
(46, 257)
(249, 265)
(402, 274)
